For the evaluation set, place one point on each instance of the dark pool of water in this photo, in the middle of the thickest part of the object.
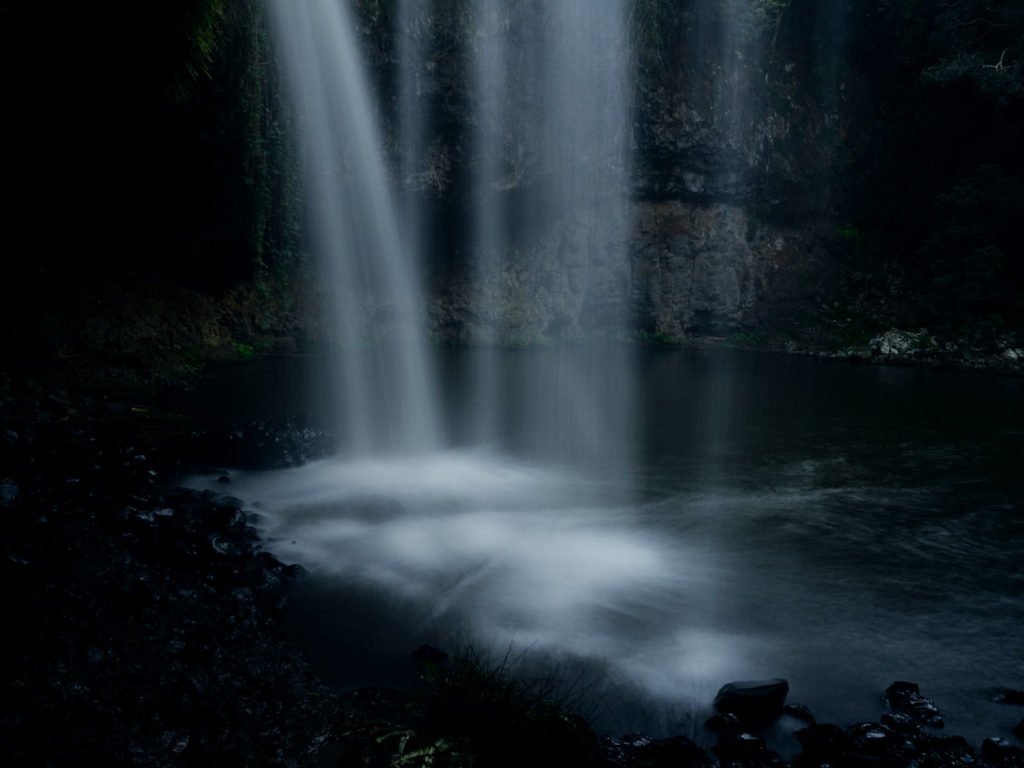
(839, 525)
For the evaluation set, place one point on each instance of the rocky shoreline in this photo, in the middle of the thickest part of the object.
(146, 628)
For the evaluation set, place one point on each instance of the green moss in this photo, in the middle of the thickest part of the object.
(244, 351)
(657, 338)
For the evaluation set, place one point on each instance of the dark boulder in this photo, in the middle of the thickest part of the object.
(1002, 754)
(906, 697)
(675, 752)
(753, 700)
(823, 744)
(723, 723)
(746, 749)
(1009, 696)
(1019, 730)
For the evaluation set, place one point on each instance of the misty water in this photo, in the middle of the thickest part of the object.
(841, 526)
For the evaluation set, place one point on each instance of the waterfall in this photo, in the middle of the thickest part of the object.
(387, 397)
(552, 113)
(548, 231)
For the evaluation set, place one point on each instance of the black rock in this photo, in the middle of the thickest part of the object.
(675, 752)
(745, 748)
(1009, 696)
(901, 722)
(906, 697)
(753, 700)
(1002, 753)
(725, 722)
(1019, 730)
(822, 744)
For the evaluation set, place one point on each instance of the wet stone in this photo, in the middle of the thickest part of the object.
(901, 721)
(907, 698)
(675, 752)
(1009, 696)
(1002, 754)
(746, 749)
(753, 700)
(822, 744)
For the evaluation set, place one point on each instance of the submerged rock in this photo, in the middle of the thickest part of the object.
(753, 700)
(1009, 696)
(907, 698)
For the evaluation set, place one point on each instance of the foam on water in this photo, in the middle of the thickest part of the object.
(511, 553)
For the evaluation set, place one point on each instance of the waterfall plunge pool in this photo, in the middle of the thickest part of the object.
(839, 525)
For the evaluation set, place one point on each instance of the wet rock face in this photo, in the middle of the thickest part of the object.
(693, 268)
(726, 152)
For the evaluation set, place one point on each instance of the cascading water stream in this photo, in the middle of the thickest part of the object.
(387, 391)
(551, 219)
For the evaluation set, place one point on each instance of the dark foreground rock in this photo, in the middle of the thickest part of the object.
(755, 700)
(1001, 754)
(1009, 696)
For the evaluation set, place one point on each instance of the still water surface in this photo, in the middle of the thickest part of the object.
(839, 525)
